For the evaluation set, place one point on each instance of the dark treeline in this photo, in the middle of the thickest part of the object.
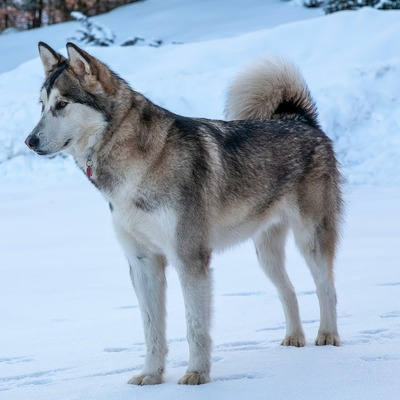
(28, 14)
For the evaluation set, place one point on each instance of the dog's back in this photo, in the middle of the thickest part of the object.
(273, 160)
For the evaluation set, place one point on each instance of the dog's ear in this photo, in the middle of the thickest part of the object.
(50, 58)
(80, 61)
(89, 70)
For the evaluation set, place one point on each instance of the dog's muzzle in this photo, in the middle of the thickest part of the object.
(32, 141)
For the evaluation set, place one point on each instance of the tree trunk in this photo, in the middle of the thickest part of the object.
(37, 14)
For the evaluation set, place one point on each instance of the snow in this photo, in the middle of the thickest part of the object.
(354, 82)
(71, 327)
(69, 322)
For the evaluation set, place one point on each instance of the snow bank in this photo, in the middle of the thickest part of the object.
(348, 59)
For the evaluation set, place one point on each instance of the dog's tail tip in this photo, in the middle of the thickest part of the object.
(271, 89)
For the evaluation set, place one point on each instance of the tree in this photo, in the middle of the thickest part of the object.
(92, 33)
(4, 15)
(28, 14)
(332, 6)
(389, 5)
(35, 8)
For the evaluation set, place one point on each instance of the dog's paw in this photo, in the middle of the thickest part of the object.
(143, 379)
(295, 341)
(194, 378)
(325, 339)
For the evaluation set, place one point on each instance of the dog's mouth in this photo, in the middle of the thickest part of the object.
(41, 152)
(50, 153)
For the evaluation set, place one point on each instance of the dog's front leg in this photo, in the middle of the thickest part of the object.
(148, 279)
(147, 271)
(195, 278)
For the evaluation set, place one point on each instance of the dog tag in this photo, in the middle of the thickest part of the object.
(89, 172)
(89, 164)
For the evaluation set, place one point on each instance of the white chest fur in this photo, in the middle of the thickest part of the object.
(154, 230)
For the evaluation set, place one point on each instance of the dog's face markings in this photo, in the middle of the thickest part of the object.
(54, 103)
(69, 113)
(63, 123)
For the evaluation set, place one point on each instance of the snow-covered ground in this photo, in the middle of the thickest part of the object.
(69, 323)
(71, 329)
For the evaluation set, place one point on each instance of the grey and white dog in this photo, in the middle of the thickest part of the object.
(180, 188)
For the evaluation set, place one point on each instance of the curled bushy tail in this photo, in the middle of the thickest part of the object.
(271, 89)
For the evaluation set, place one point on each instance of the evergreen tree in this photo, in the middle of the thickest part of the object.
(389, 5)
(332, 6)
(92, 33)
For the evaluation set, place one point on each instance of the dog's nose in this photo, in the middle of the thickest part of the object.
(32, 141)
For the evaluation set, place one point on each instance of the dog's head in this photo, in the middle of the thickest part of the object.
(75, 99)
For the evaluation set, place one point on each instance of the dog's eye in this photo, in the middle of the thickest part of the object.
(60, 105)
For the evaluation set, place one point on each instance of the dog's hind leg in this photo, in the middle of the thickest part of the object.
(147, 271)
(314, 240)
(270, 246)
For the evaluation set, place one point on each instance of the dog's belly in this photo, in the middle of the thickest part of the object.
(156, 230)
(229, 236)
(239, 223)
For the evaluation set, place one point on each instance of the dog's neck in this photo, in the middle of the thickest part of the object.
(89, 162)
(84, 152)
(95, 144)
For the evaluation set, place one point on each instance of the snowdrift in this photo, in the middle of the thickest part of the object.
(348, 59)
